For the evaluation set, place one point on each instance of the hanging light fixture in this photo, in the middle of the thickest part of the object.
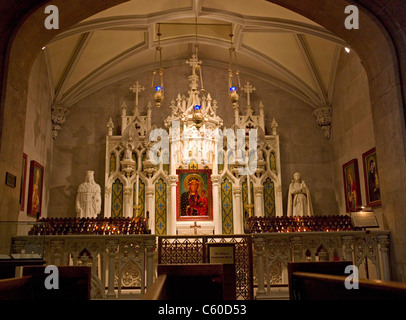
(159, 89)
(197, 113)
(233, 95)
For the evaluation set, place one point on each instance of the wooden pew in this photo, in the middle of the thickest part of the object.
(16, 289)
(74, 283)
(326, 281)
(158, 289)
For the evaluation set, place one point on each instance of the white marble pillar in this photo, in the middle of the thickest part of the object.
(259, 245)
(150, 191)
(150, 248)
(258, 201)
(173, 179)
(384, 243)
(107, 202)
(216, 205)
(127, 203)
(237, 211)
(111, 246)
(278, 201)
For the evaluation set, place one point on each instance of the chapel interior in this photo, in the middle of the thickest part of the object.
(306, 99)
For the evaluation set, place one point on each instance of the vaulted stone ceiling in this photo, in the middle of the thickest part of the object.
(271, 42)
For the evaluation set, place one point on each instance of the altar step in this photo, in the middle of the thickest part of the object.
(276, 293)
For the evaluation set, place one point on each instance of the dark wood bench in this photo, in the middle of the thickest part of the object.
(326, 281)
(16, 289)
(74, 284)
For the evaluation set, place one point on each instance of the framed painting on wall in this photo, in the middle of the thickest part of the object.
(352, 189)
(194, 195)
(35, 189)
(23, 182)
(371, 177)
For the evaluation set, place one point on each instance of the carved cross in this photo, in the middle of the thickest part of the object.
(248, 89)
(250, 126)
(136, 88)
(195, 226)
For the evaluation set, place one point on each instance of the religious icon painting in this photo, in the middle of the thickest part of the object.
(35, 189)
(352, 189)
(371, 177)
(23, 182)
(194, 195)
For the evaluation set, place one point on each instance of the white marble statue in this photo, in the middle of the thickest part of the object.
(299, 201)
(88, 198)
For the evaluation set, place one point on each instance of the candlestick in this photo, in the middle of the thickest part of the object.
(136, 191)
(248, 189)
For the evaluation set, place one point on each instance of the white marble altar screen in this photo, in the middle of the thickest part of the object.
(194, 184)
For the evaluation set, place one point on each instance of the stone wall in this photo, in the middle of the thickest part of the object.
(352, 125)
(80, 146)
(38, 130)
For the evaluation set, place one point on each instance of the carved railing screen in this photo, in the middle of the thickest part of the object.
(192, 249)
(368, 250)
(118, 261)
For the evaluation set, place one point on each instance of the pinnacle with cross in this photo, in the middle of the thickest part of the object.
(248, 89)
(193, 62)
(137, 89)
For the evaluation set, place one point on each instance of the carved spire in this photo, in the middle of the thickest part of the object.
(137, 89)
(248, 89)
(274, 126)
(110, 126)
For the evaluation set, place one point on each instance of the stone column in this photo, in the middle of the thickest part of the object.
(57, 252)
(150, 245)
(278, 201)
(238, 213)
(259, 244)
(173, 179)
(217, 218)
(111, 247)
(127, 203)
(258, 204)
(296, 245)
(348, 242)
(107, 202)
(150, 191)
(384, 242)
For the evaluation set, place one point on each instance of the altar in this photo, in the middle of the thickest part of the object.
(195, 229)
(194, 176)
